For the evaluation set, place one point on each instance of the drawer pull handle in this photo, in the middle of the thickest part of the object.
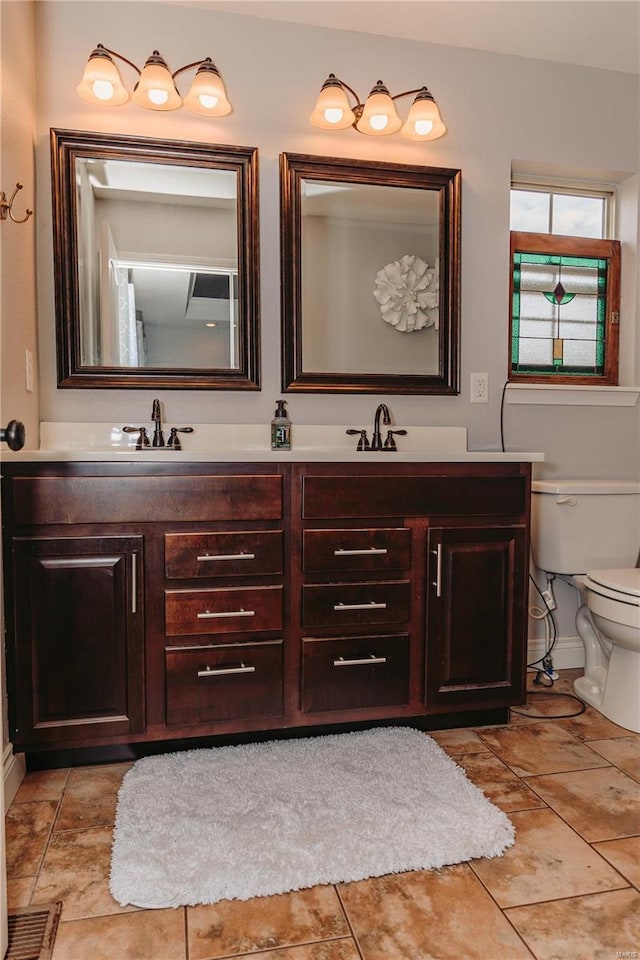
(207, 615)
(369, 551)
(358, 662)
(437, 583)
(134, 582)
(226, 556)
(339, 607)
(224, 671)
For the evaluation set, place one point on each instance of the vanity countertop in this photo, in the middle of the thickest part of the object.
(250, 443)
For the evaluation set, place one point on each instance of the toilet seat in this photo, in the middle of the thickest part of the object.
(622, 585)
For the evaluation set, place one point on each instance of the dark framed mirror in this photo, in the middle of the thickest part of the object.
(156, 256)
(370, 263)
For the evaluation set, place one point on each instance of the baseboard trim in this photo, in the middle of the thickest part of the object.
(567, 653)
(14, 768)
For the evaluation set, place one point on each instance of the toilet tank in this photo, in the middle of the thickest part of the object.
(581, 525)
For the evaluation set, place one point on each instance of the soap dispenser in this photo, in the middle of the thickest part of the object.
(281, 428)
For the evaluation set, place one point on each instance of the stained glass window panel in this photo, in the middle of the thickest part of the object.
(558, 312)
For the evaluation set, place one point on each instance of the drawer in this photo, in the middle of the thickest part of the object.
(240, 554)
(345, 604)
(230, 682)
(156, 498)
(228, 610)
(342, 551)
(355, 672)
(412, 496)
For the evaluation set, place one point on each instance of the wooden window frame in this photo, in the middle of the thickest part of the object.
(556, 245)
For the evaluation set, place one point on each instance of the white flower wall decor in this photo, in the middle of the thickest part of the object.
(408, 293)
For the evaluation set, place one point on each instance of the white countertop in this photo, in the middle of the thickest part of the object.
(250, 443)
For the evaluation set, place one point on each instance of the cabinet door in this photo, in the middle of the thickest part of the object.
(476, 616)
(78, 639)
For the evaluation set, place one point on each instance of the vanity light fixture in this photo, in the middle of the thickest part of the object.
(377, 117)
(155, 89)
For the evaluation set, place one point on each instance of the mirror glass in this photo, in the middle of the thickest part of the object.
(158, 248)
(370, 276)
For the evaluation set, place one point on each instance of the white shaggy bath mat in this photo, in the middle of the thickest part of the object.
(248, 821)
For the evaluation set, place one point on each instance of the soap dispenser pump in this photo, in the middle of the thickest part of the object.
(281, 428)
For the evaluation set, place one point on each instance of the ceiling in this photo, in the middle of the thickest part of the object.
(593, 33)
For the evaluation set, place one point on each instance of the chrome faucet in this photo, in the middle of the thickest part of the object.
(376, 440)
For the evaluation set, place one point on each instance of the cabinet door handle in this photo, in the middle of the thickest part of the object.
(224, 671)
(358, 661)
(359, 606)
(226, 556)
(369, 551)
(437, 583)
(134, 582)
(208, 615)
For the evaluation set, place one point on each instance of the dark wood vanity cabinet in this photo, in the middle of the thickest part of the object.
(79, 617)
(151, 602)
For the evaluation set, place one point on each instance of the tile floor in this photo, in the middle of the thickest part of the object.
(569, 889)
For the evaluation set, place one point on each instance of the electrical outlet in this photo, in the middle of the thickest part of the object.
(479, 388)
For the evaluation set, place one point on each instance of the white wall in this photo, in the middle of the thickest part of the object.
(497, 108)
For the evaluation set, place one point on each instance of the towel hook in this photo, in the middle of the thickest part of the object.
(6, 206)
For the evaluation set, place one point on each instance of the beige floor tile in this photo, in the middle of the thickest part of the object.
(429, 915)
(498, 782)
(624, 752)
(535, 748)
(600, 804)
(543, 706)
(90, 797)
(76, 870)
(564, 683)
(236, 927)
(591, 725)
(28, 826)
(19, 892)
(624, 855)
(599, 927)
(146, 935)
(329, 950)
(458, 741)
(547, 861)
(42, 785)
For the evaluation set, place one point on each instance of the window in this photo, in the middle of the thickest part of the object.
(565, 288)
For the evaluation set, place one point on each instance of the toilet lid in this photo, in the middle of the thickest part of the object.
(626, 582)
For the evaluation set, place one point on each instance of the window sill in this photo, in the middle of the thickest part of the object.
(561, 394)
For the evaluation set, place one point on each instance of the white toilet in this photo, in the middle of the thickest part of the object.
(588, 531)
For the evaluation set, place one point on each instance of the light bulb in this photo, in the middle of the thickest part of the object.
(208, 101)
(333, 115)
(423, 127)
(158, 97)
(378, 121)
(103, 89)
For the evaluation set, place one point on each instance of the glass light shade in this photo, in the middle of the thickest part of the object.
(101, 82)
(155, 90)
(207, 94)
(379, 117)
(332, 110)
(424, 121)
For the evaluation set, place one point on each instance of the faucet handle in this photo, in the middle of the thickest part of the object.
(363, 442)
(143, 439)
(174, 439)
(390, 443)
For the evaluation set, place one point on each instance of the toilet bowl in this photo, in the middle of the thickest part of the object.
(609, 625)
(577, 525)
